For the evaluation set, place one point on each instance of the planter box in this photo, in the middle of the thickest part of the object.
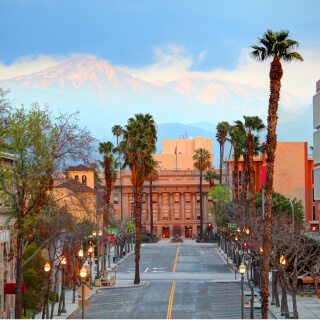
(97, 282)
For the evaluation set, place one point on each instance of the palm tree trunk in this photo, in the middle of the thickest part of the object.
(221, 160)
(276, 73)
(138, 235)
(151, 212)
(243, 181)
(236, 185)
(251, 175)
(201, 218)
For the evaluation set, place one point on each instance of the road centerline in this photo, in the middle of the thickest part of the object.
(176, 260)
(171, 300)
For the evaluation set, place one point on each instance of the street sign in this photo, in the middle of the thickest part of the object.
(110, 238)
(232, 225)
(86, 291)
(112, 231)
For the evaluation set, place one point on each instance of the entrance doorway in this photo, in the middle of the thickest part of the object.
(165, 232)
(188, 232)
(177, 231)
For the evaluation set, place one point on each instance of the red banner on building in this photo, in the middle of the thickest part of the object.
(263, 175)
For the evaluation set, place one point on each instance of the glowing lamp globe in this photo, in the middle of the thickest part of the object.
(261, 249)
(83, 273)
(94, 233)
(90, 249)
(236, 238)
(100, 233)
(80, 253)
(63, 260)
(47, 267)
(242, 268)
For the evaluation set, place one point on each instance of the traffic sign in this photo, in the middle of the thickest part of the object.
(86, 291)
(232, 225)
(112, 231)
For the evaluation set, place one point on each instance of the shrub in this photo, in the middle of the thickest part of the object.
(310, 294)
(301, 294)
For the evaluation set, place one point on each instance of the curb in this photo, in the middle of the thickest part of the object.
(142, 284)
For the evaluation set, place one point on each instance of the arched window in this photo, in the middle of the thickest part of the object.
(84, 180)
(76, 178)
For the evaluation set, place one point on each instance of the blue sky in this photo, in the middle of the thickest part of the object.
(126, 32)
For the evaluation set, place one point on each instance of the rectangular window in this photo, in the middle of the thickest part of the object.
(188, 214)
(313, 212)
(116, 212)
(165, 214)
(188, 197)
(131, 199)
(115, 198)
(198, 197)
(198, 213)
(165, 198)
(154, 198)
(155, 216)
(312, 194)
(176, 214)
(209, 198)
(144, 198)
(176, 197)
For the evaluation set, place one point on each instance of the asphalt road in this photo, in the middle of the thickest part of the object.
(202, 287)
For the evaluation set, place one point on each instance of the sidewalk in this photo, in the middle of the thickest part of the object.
(308, 307)
(72, 307)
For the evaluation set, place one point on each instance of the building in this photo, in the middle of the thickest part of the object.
(175, 195)
(293, 176)
(316, 142)
(177, 153)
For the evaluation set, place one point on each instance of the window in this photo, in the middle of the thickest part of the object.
(209, 198)
(165, 214)
(188, 214)
(176, 197)
(143, 214)
(312, 194)
(198, 213)
(313, 212)
(188, 197)
(84, 180)
(154, 198)
(116, 199)
(198, 197)
(165, 198)
(131, 199)
(144, 198)
(176, 214)
(116, 212)
(76, 178)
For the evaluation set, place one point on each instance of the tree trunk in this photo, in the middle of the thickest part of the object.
(19, 280)
(284, 300)
(251, 290)
(275, 85)
(151, 212)
(294, 297)
(236, 185)
(138, 234)
(201, 217)
(251, 175)
(221, 160)
(244, 182)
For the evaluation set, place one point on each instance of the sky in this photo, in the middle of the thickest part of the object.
(162, 40)
(153, 40)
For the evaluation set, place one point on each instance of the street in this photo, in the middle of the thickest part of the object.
(186, 281)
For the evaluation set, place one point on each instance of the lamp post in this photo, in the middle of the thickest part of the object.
(47, 268)
(83, 274)
(283, 262)
(242, 270)
(94, 233)
(63, 262)
(90, 250)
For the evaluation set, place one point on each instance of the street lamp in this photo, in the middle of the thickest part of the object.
(80, 253)
(283, 260)
(63, 262)
(47, 268)
(247, 231)
(90, 250)
(242, 270)
(83, 274)
(261, 249)
(236, 238)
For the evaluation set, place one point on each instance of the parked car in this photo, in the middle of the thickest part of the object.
(307, 278)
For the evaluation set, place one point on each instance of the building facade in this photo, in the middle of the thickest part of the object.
(293, 176)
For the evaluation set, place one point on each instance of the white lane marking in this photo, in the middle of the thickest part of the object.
(146, 270)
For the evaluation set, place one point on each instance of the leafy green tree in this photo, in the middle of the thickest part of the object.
(221, 198)
(278, 46)
(26, 186)
(33, 276)
(202, 162)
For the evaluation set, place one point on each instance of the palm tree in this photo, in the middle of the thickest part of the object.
(278, 46)
(139, 138)
(202, 162)
(117, 132)
(223, 128)
(251, 124)
(152, 175)
(236, 140)
(210, 177)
